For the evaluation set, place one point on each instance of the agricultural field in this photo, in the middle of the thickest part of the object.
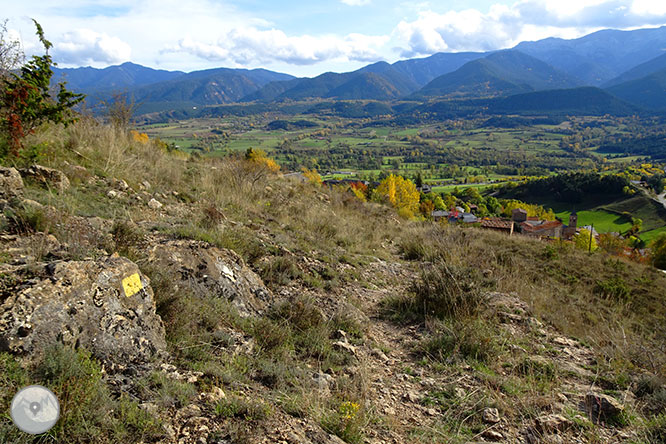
(450, 156)
(441, 151)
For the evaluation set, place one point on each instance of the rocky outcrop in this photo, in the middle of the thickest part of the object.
(11, 184)
(602, 408)
(208, 271)
(105, 306)
(46, 177)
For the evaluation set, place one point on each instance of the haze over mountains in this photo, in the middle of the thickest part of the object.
(629, 65)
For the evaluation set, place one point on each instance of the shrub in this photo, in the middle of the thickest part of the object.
(614, 288)
(280, 270)
(236, 407)
(346, 421)
(445, 291)
(128, 237)
(461, 340)
(26, 100)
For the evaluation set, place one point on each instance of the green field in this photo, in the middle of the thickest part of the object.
(603, 221)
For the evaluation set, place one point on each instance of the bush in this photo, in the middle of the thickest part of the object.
(26, 100)
(445, 291)
(464, 340)
(280, 270)
(614, 288)
(128, 237)
(247, 409)
(346, 421)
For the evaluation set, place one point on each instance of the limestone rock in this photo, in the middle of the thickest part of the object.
(208, 271)
(105, 306)
(490, 415)
(552, 423)
(46, 177)
(119, 184)
(493, 435)
(344, 346)
(602, 408)
(11, 184)
(155, 204)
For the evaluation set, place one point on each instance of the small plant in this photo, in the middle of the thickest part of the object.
(346, 422)
(442, 291)
(247, 409)
(461, 340)
(128, 237)
(27, 219)
(170, 392)
(280, 270)
(614, 288)
(655, 430)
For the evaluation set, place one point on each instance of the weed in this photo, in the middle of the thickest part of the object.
(461, 340)
(614, 288)
(169, 392)
(247, 409)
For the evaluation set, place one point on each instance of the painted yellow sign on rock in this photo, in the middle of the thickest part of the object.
(132, 285)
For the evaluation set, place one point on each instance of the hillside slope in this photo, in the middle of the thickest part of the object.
(181, 299)
(648, 92)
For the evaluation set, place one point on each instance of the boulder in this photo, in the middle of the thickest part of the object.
(602, 408)
(490, 415)
(46, 177)
(105, 306)
(552, 423)
(155, 204)
(208, 271)
(11, 184)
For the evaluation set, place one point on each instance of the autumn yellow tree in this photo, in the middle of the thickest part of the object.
(401, 193)
(259, 157)
(312, 176)
(583, 239)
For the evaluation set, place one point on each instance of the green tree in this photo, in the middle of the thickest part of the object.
(27, 103)
(658, 252)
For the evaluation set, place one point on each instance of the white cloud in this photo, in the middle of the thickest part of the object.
(503, 26)
(249, 46)
(84, 46)
(355, 2)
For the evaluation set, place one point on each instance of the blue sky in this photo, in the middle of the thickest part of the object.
(305, 38)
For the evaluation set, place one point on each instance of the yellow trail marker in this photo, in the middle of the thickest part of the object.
(132, 285)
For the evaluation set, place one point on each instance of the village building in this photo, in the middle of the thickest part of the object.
(570, 231)
(542, 228)
(497, 224)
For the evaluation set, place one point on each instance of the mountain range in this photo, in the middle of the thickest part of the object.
(629, 65)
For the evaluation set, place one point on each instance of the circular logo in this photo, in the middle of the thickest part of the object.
(35, 409)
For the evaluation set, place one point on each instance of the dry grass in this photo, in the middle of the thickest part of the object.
(562, 285)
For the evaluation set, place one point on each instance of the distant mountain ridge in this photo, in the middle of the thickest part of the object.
(610, 58)
(601, 56)
(500, 74)
(127, 75)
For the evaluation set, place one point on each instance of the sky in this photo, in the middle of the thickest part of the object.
(303, 38)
